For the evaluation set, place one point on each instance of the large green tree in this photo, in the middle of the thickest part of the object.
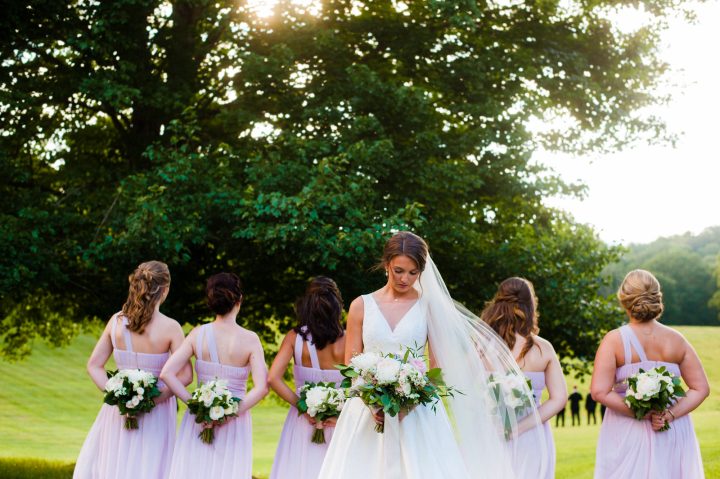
(201, 134)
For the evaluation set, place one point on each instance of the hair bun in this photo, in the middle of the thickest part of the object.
(640, 295)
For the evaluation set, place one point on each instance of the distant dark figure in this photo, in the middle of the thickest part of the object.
(575, 399)
(560, 417)
(590, 406)
(602, 412)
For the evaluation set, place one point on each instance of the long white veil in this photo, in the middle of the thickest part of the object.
(469, 352)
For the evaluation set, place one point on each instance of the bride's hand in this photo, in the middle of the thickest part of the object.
(378, 415)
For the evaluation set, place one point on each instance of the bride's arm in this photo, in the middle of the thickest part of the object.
(353, 340)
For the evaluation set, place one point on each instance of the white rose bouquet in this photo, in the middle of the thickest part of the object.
(652, 390)
(321, 401)
(510, 392)
(393, 383)
(212, 404)
(132, 391)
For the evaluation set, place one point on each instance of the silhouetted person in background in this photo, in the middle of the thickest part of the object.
(560, 417)
(602, 412)
(590, 406)
(575, 399)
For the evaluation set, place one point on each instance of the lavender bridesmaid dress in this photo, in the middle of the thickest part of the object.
(528, 461)
(112, 452)
(230, 454)
(630, 449)
(296, 456)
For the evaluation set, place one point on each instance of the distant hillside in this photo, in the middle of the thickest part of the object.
(687, 267)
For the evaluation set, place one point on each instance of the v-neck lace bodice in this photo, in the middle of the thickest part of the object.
(410, 331)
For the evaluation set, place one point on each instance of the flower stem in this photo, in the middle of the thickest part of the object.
(318, 436)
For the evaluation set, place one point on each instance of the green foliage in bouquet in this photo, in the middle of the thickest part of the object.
(426, 388)
(510, 392)
(653, 390)
(212, 404)
(132, 395)
(321, 401)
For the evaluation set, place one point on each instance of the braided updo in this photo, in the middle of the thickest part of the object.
(513, 310)
(224, 291)
(147, 285)
(640, 295)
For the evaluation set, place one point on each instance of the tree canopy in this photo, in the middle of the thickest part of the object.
(203, 135)
(684, 265)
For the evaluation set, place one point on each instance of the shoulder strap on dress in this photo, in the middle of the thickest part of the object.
(625, 335)
(298, 349)
(126, 335)
(199, 341)
(314, 361)
(212, 346)
(113, 328)
(635, 342)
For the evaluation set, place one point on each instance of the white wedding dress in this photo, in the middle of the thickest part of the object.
(421, 446)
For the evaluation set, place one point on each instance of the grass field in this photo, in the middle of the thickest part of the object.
(47, 404)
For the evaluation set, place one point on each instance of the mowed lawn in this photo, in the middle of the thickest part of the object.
(48, 403)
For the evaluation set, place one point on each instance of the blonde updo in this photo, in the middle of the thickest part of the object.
(640, 295)
(147, 285)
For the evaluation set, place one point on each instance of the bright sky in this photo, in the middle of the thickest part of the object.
(640, 194)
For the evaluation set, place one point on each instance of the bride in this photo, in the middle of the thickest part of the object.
(466, 441)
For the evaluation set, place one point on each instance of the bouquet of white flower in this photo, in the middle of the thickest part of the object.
(321, 401)
(212, 404)
(393, 383)
(510, 392)
(132, 391)
(652, 390)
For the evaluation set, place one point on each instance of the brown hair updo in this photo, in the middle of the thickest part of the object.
(320, 310)
(147, 285)
(640, 295)
(407, 244)
(513, 310)
(224, 291)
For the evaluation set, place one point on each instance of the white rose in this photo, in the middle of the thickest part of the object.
(647, 385)
(140, 391)
(316, 397)
(207, 398)
(365, 362)
(387, 370)
(216, 412)
(131, 404)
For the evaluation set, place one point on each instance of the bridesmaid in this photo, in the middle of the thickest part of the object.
(227, 351)
(139, 336)
(631, 448)
(316, 344)
(512, 313)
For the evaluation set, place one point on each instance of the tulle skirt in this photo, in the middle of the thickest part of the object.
(630, 449)
(297, 457)
(528, 459)
(112, 452)
(421, 446)
(229, 456)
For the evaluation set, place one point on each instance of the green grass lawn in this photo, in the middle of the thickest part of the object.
(47, 404)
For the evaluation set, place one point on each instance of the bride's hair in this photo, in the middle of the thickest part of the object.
(223, 291)
(320, 310)
(147, 285)
(407, 244)
(513, 310)
(640, 295)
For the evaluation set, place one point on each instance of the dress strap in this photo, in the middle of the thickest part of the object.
(126, 335)
(198, 342)
(113, 328)
(212, 346)
(298, 349)
(314, 361)
(625, 335)
(635, 342)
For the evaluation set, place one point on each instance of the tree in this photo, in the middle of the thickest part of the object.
(201, 134)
